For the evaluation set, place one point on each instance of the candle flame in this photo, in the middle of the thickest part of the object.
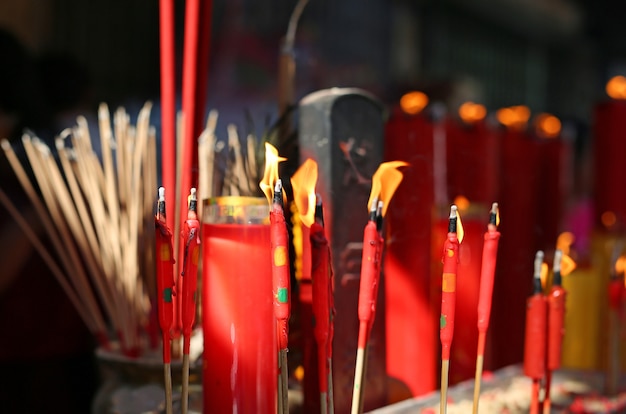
(567, 265)
(544, 274)
(385, 181)
(548, 125)
(564, 241)
(620, 265)
(471, 112)
(413, 102)
(461, 202)
(608, 219)
(270, 175)
(616, 87)
(513, 116)
(494, 206)
(460, 232)
(303, 182)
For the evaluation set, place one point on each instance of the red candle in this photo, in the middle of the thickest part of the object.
(472, 161)
(410, 316)
(238, 321)
(190, 273)
(535, 337)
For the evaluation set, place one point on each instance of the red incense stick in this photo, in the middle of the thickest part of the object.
(168, 101)
(448, 302)
(487, 272)
(535, 339)
(321, 306)
(165, 288)
(191, 235)
(370, 273)
(556, 329)
(281, 288)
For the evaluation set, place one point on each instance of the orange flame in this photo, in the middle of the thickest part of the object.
(620, 265)
(564, 241)
(513, 116)
(385, 181)
(548, 125)
(544, 274)
(461, 202)
(413, 102)
(471, 112)
(303, 183)
(616, 87)
(460, 232)
(567, 265)
(270, 175)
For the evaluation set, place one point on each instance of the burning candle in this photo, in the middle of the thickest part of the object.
(448, 299)
(556, 320)
(191, 239)
(535, 339)
(322, 307)
(165, 288)
(385, 181)
(281, 288)
(487, 273)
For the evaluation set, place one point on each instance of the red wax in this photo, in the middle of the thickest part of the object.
(535, 340)
(240, 358)
(370, 274)
(519, 200)
(556, 328)
(609, 147)
(411, 317)
(472, 157)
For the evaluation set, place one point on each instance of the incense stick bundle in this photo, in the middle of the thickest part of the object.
(96, 215)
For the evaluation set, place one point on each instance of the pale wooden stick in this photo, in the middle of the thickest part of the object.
(185, 385)
(167, 374)
(42, 212)
(238, 168)
(252, 168)
(64, 200)
(79, 278)
(359, 375)
(443, 398)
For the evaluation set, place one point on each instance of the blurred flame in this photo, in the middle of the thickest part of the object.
(548, 125)
(270, 175)
(567, 265)
(471, 112)
(564, 241)
(461, 202)
(460, 232)
(608, 219)
(385, 181)
(620, 265)
(303, 182)
(544, 274)
(616, 87)
(513, 116)
(413, 102)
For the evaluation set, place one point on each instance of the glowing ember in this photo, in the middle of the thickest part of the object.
(270, 175)
(413, 102)
(303, 183)
(385, 181)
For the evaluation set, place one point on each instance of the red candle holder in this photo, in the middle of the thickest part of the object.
(239, 328)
